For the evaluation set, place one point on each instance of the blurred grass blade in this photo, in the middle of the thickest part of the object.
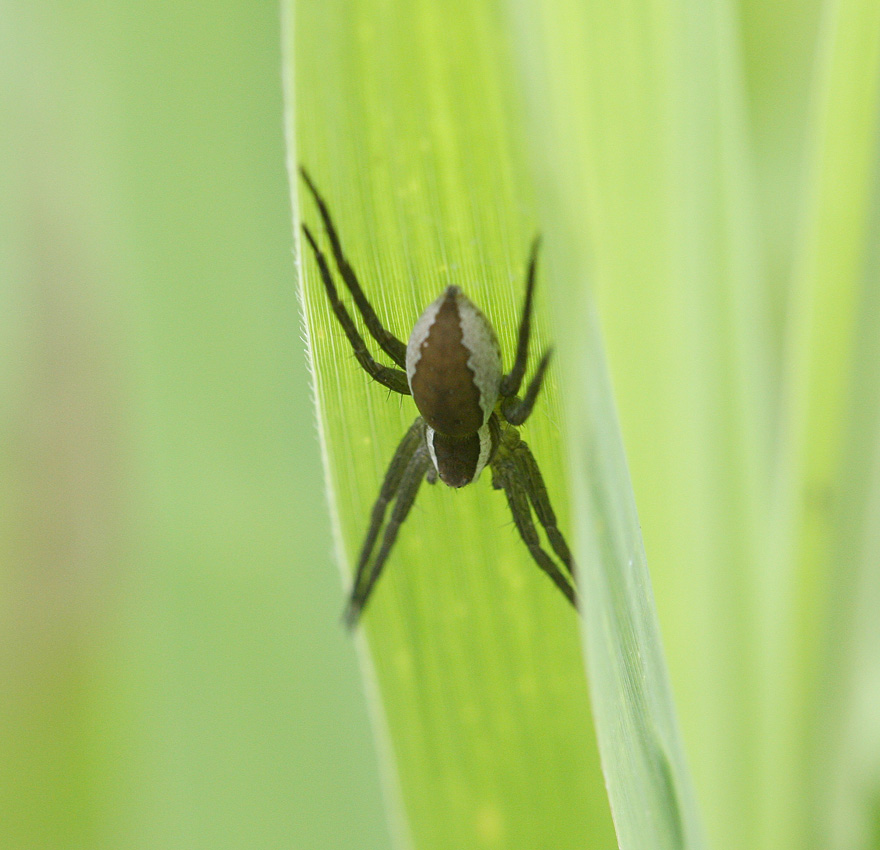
(853, 786)
(849, 727)
(413, 129)
(406, 116)
(612, 140)
(817, 398)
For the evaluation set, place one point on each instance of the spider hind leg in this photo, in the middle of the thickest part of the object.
(510, 383)
(394, 379)
(389, 343)
(516, 410)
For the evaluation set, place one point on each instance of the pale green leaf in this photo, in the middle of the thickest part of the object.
(411, 119)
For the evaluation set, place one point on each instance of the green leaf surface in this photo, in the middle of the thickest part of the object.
(411, 119)
(805, 568)
(615, 116)
(848, 745)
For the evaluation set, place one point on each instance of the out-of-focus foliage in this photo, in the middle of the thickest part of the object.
(416, 131)
(173, 673)
(173, 670)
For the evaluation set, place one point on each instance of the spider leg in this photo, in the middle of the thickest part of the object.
(389, 343)
(394, 379)
(408, 488)
(510, 383)
(518, 501)
(517, 410)
(536, 490)
(393, 476)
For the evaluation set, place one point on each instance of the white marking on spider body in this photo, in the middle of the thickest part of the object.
(429, 439)
(485, 450)
(479, 338)
(485, 435)
(419, 335)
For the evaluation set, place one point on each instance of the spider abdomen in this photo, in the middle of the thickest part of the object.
(453, 365)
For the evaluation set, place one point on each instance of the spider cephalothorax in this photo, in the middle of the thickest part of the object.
(467, 404)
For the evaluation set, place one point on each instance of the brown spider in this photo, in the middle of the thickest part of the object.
(453, 371)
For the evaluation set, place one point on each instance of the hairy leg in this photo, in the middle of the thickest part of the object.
(389, 343)
(393, 476)
(408, 488)
(534, 485)
(517, 410)
(505, 477)
(510, 383)
(394, 379)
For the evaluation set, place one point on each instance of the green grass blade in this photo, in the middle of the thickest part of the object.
(852, 788)
(413, 127)
(817, 392)
(848, 742)
(408, 124)
(645, 171)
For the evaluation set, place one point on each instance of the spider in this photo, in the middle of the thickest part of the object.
(468, 409)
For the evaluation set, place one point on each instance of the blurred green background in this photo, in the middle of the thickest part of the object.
(173, 669)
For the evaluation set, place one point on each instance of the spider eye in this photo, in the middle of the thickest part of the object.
(455, 478)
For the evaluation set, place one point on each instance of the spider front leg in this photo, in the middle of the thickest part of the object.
(393, 476)
(408, 468)
(534, 485)
(510, 474)
(394, 379)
